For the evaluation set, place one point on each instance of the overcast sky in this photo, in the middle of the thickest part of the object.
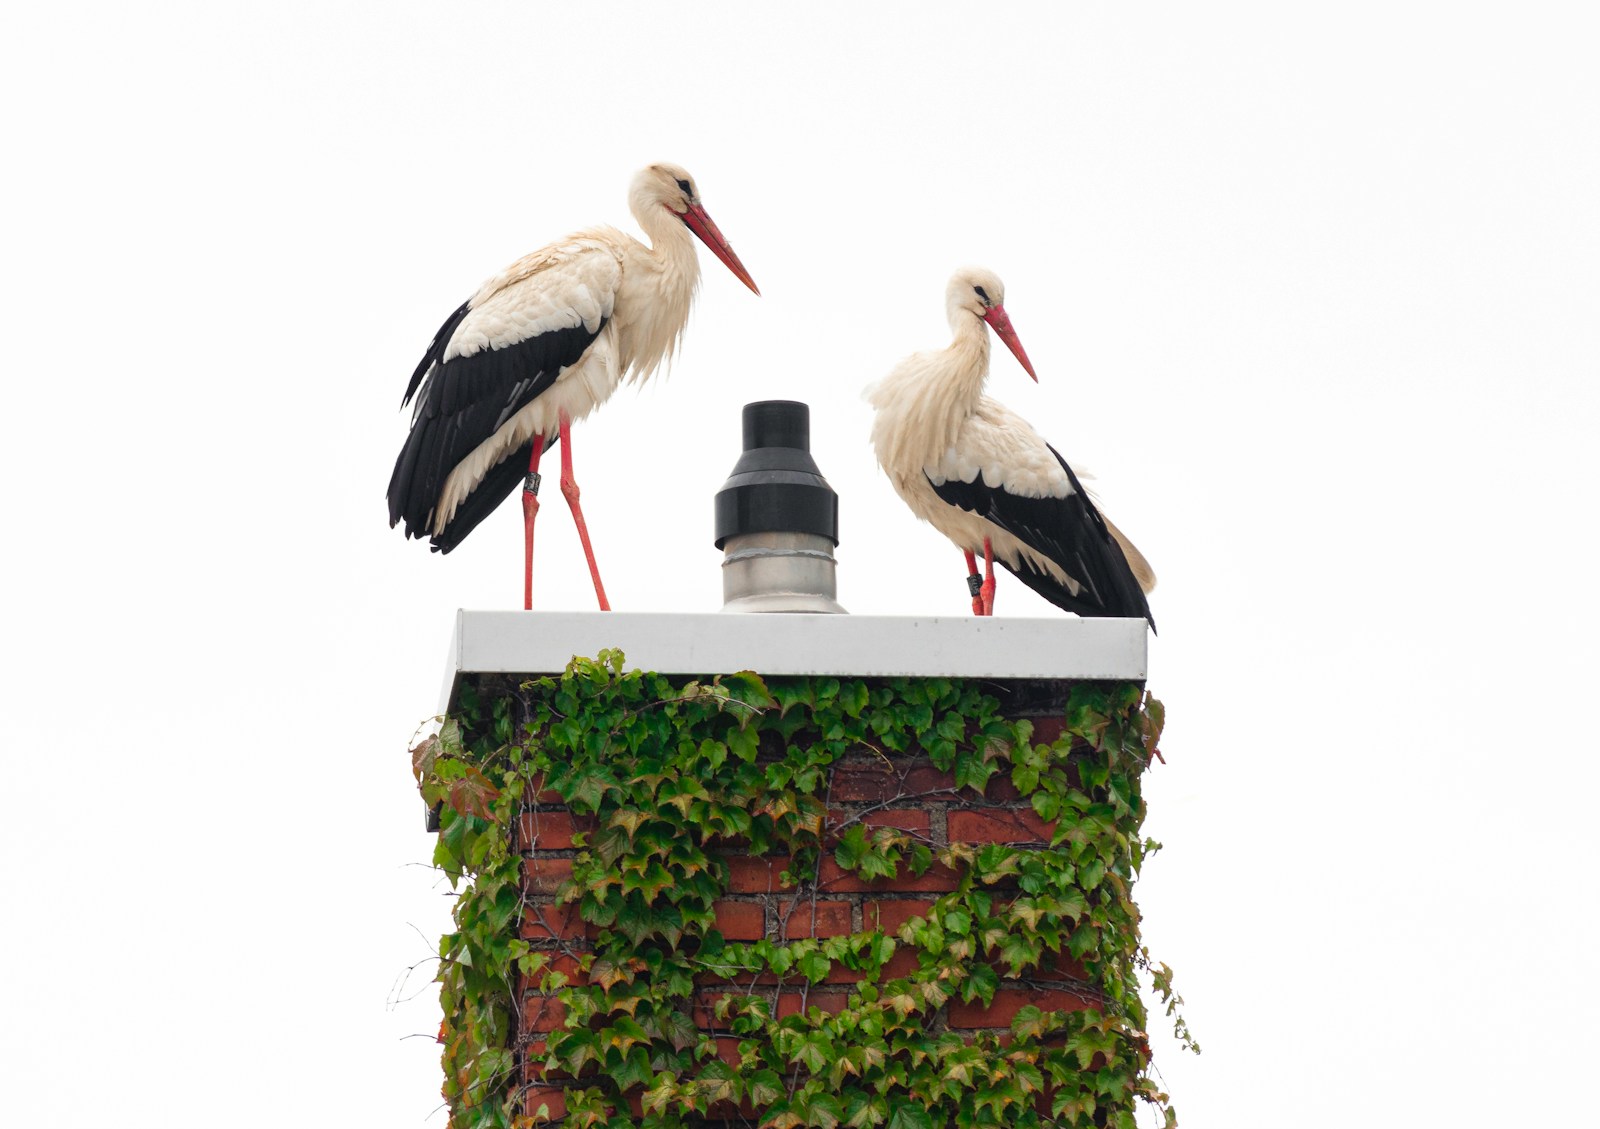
(1314, 294)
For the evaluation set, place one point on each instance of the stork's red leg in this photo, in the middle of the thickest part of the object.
(569, 487)
(530, 510)
(974, 582)
(986, 592)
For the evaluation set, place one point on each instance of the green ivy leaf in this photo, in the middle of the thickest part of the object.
(656, 1097)
(864, 1111)
(814, 966)
(910, 1117)
(749, 688)
(1090, 873)
(973, 771)
(852, 848)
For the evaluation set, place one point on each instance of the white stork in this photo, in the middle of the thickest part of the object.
(978, 473)
(543, 343)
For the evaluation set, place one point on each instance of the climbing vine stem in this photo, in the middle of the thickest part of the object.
(647, 1015)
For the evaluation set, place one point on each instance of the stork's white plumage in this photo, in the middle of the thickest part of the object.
(979, 473)
(541, 344)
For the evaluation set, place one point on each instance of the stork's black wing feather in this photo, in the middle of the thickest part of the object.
(462, 402)
(436, 348)
(1069, 531)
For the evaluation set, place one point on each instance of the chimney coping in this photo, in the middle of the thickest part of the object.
(856, 646)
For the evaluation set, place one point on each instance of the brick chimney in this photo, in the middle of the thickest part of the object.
(1029, 665)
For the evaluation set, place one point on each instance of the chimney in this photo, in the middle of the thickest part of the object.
(777, 519)
(919, 775)
(941, 832)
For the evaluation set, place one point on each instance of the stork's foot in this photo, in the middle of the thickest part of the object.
(985, 598)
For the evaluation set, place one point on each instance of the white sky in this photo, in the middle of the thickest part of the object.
(1314, 295)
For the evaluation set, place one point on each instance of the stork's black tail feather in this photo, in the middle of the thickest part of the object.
(1132, 605)
(503, 478)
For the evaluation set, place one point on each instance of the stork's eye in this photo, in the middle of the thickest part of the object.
(981, 294)
(686, 188)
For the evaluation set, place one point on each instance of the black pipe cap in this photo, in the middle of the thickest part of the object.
(775, 486)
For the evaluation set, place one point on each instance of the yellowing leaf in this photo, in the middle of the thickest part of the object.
(422, 757)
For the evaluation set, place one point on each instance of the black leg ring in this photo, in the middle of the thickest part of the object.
(531, 484)
(974, 584)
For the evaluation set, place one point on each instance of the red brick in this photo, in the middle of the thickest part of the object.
(752, 875)
(541, 794)
(741, 921)
(831, 919)
(857, 782)
(1046, 730)
(542, 1013)
(550, 830)
(548, 920)
(728, 1050)
(533, 1068)
(905, 819)
(545, 875)
(1007, 1002)
(1000, 790)
(536, 1096)
(703, 1012)
(904, 962)
(830, 1000)
(937, 877)
(998, 825)
(925, 778)
(891, 915)
(533, 1060)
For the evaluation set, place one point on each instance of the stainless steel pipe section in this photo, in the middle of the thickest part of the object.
(779, 572)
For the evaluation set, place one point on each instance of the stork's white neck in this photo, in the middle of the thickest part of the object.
(969, 361)
(664, 226)
(658, 285)
(923, 403)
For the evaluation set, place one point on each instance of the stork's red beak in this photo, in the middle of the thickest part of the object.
(702, 225)
(999, 321)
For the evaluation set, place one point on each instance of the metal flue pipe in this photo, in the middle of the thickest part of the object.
(777, 519)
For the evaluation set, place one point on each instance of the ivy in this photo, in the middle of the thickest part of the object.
(679, 781)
